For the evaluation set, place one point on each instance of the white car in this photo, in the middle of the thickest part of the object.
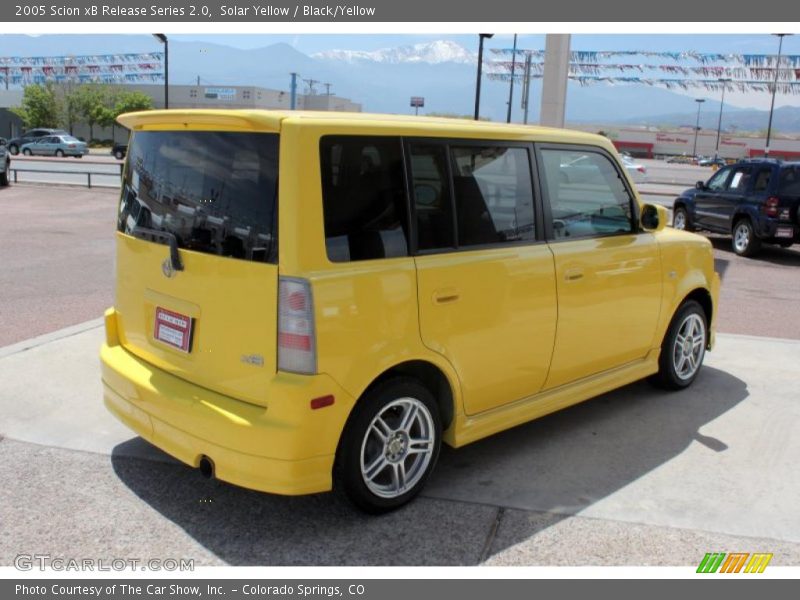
(638, 172)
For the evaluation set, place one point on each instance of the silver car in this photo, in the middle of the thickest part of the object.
(55, 145)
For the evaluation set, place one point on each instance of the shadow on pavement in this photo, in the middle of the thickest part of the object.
(559, 465)
(769, 253)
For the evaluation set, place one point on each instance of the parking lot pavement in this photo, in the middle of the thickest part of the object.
(637, 476)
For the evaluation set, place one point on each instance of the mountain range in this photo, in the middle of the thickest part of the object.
(443, 72)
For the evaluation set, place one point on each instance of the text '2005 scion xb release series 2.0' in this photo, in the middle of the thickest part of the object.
(310, 301)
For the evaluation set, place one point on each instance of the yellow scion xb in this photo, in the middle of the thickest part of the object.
(317, 301)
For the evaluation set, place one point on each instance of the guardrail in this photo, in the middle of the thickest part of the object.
(88, 174)
(41, 161)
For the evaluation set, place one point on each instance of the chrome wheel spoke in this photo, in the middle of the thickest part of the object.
(419, 446)
(399, 477)
(377, 466)
(408, 417)
(381, 429)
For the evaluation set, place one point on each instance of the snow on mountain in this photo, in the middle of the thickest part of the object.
(437, 52)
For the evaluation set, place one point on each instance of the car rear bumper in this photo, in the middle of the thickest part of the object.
(285, 448)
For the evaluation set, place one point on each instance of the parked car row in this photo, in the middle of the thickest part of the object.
(755, 201)
(43, 141)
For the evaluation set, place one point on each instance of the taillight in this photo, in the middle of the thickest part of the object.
(297, 344)
(771, 207)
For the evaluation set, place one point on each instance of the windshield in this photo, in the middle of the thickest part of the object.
(215, 192)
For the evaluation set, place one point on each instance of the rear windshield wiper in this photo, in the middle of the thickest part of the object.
(154, 235)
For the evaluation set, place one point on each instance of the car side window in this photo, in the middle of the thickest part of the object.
(739, 180)
(761, 183)
(718, 181)
(586, 194)
(789, 181)
(493, 194)
(363, 198)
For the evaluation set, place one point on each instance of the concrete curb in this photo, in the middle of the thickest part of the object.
(50, 337)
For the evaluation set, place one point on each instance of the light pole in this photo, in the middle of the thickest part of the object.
(724, 82)
(697, 125)
(163, 39)
(774, 89)
(482, 36)
(511, 83)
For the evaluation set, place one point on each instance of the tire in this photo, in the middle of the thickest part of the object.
(4, 180)
(785, 243)
(14, 149)
(60, 153)
(377, 446)
(683, 348)
(119, 155)
(744, 240)
(27, 152)
(680, 219)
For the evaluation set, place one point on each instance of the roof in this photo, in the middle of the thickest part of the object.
(272, 120)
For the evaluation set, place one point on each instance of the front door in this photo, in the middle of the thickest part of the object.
(487, 297)
(710, 202)
(608, 273)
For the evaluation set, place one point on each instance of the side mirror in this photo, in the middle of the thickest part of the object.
(654, 217)
(700, 185)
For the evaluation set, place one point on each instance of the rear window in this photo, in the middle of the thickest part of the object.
(215, 192)
(789, 183)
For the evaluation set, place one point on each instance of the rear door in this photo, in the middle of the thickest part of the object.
(486, 291)
(197, 256)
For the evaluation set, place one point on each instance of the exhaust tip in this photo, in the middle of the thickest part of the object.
(206, 467)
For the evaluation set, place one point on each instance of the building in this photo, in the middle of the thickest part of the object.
(650, 143)
(190, 96)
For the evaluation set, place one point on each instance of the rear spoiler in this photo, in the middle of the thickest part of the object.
(200, 119)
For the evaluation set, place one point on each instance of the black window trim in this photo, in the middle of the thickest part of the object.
(636, 227)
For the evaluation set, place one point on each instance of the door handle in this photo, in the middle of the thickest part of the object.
(445, 296)
(573, 274)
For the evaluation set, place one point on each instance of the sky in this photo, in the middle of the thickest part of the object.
(309, 43)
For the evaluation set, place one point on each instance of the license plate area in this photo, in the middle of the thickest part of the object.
(173, 329)
(784, 232)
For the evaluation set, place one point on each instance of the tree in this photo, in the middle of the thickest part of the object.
(91, 103)
(131, 102)
(70, 109)
(39, 107)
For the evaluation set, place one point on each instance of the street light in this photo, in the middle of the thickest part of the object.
(774, 89)
(163, 39)
(482, 37)
(724, 82)
(697, 125)
(511, 82)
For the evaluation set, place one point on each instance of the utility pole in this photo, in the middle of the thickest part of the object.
(311, 83)
(327, 88)
(293, 94)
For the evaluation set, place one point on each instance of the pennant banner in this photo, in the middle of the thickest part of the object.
(783, 87)
(748, 60)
